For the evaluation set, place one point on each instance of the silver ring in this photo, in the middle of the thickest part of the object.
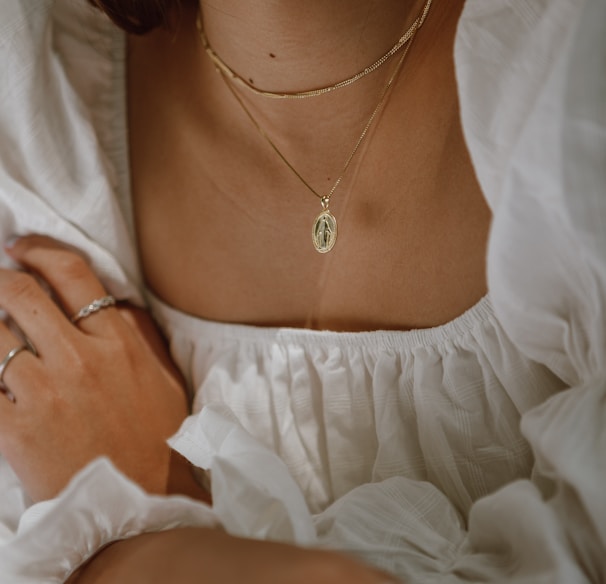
(5, 362)
(94, 306)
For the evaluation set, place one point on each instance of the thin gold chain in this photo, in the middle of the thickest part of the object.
(326, 198)
(229, 72)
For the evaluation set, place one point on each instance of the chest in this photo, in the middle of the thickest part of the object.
(227, 235)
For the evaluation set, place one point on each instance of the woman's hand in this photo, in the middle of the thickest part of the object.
(101, 387)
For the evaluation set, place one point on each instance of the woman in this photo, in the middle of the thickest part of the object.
(366, 399)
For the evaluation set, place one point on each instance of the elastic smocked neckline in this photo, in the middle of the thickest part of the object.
(460, 326)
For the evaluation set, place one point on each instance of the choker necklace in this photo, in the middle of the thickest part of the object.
(324, 230)
(227, 70)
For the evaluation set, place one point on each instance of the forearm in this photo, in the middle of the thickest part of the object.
(194, 555)
(175, 556)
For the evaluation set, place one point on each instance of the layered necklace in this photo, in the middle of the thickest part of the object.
(324, 229)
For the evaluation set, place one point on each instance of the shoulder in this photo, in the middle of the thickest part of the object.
(61, 85)
(532, 93)
(41, 40)
(61, 80)
(63, 151)
(505, 53)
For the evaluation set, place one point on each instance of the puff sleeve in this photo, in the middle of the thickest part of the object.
(533, 93)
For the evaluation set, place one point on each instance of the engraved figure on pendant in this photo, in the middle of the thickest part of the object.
(324, 233)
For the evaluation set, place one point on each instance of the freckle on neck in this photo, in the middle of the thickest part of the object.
(272, 55)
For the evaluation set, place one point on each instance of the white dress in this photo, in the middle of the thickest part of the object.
(470, 452)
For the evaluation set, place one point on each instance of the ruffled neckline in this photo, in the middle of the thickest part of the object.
(480, 313)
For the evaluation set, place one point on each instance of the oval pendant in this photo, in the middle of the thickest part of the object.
(324, 232)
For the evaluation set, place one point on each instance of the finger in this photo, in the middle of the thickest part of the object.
(36, 315)
(69, 275)
(17, 365)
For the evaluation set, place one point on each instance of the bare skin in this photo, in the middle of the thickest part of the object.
(225, 228)
(195, 556)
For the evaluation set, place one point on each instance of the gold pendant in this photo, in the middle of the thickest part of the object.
(324, 231)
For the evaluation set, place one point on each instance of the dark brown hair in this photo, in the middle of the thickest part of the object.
(139, 16)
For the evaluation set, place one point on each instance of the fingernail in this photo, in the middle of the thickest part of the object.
(11, 241)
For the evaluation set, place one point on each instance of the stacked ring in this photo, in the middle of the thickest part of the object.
(94, 306)
(5, 363)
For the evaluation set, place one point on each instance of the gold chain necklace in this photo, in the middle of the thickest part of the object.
(227, 70)
(324, 230)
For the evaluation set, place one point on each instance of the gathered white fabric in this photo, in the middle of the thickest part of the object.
(471, 452)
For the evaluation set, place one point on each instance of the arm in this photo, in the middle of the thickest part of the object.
(191, 556)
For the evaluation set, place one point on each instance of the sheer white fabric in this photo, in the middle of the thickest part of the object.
(473, 452)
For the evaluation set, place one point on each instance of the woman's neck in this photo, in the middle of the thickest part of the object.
(293, 45)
